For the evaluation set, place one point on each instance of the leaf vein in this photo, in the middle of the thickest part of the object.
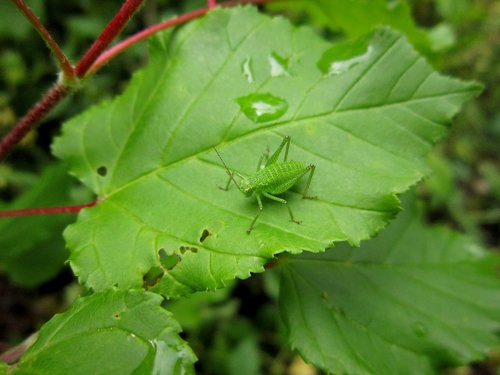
(204, 90)
(366, 72)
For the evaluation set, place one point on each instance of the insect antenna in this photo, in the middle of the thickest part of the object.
(231, 174)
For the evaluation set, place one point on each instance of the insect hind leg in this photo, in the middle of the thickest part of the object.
(274, 157)
(310, 168)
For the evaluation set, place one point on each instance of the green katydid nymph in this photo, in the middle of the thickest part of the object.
(272, 178)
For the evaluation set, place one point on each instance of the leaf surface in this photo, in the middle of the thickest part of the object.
(114, 332)
(365, 113)
(410, 301)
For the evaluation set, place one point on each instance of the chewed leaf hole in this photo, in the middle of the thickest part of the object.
(116, 316)
(102, 171)
(204, 235)
(152, 277)
(262, 107)
(168, 261)
(183, 249)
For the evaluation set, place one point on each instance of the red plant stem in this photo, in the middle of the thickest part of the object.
(95, 58)
(109, 54)
(120, 47)
(51, 98)
(47, 210)
(64, 63)
(113, 28)
(58, 91)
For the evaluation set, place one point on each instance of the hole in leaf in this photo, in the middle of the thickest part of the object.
(204, 235)
(152, 277)
(168, 261)
(116, 316)
(102, 171)
(183, 249)
(262, 107)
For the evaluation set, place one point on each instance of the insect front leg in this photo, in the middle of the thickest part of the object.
(310, 168)
(259, 201)
(226, 188)
(230, 173)
(267, 195)
(231, 178)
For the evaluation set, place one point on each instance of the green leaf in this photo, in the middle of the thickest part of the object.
(114, 332)
(35, 258)
(366, 121)
(38, 265)
(357, 17)
(412, 300)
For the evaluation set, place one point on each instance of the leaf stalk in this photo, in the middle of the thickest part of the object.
(28, 122)
(114, 27)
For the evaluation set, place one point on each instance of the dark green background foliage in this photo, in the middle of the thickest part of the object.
(421, 297)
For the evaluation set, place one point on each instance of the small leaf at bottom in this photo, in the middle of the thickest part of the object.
(113, 332)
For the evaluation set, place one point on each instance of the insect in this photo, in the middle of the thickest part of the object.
(272, 178)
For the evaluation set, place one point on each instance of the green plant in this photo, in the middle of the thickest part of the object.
(365, 111)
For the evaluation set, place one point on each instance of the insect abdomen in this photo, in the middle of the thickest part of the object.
(278, 177)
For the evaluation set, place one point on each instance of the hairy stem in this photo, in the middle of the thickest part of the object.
(51, 98)
(94, 59)
(59, 91)
(113, 28)
(64, 63)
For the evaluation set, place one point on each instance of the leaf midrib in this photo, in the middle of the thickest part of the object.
(355, 322)
(277, 124)
(255, 133)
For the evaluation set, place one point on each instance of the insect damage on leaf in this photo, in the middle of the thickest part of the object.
(204, 235)
(272, 178)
